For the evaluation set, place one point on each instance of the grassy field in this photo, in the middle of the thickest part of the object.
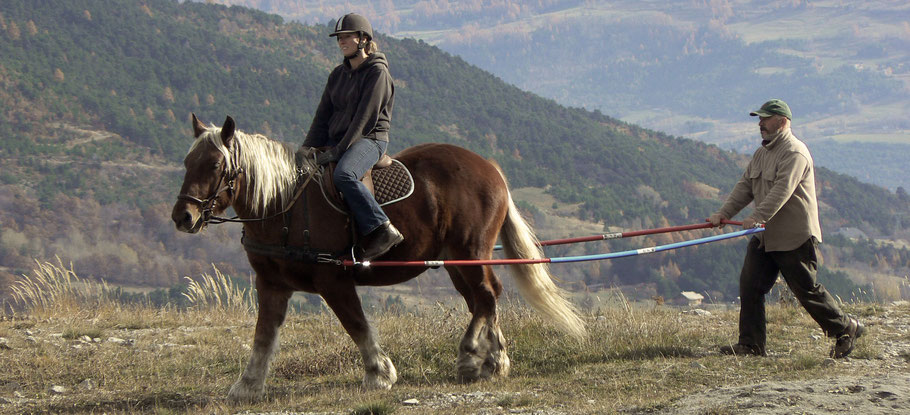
(71, 350)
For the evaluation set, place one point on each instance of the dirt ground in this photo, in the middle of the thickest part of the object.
(883, 389)
(882, 394)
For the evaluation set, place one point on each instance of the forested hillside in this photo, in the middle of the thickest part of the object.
(95, 102)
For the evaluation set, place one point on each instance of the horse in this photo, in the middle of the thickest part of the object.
(460, 205)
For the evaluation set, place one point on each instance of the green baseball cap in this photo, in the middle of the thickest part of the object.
(773, 107)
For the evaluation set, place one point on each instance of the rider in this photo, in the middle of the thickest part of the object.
(353, 120)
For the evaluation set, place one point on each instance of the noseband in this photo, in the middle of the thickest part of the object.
(208, 204)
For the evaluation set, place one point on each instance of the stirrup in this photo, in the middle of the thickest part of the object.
(354, 257)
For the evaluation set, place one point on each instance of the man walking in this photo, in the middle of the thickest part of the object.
(780, 179)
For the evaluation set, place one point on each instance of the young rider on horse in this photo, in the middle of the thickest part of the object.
(353, 119)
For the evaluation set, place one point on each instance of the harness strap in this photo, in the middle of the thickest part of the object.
(306, 224)
(294, 253)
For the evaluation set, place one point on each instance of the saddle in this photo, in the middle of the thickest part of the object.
(388, 180)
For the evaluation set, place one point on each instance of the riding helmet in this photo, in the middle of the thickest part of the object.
(353, 23)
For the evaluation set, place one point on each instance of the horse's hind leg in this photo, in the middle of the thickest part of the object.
(273, 306)
(379, 371)
(481, 353)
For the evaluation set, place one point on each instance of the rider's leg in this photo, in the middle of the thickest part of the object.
(378, 234)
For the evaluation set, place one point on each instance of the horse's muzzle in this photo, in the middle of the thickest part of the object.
(185, 220)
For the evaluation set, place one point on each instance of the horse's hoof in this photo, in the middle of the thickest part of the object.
(382, 377)
(472, 367)
(242, 391)
(469, 366)
(497, 364)
(467, 376)
(377, 383)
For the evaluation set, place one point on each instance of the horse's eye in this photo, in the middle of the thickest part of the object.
(217, 165)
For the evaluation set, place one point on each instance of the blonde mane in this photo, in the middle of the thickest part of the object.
(269, 167)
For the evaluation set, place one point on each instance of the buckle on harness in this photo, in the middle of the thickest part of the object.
(324, 258)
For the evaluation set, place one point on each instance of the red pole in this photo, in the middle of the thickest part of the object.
(617, 235)
(447, 262)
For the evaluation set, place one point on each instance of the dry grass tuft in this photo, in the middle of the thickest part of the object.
(219, 293)
(52, 288)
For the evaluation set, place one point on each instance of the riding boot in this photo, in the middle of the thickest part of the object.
(380, 241)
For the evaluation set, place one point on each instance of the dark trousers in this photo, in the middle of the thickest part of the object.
(799, 268)
(354, 163)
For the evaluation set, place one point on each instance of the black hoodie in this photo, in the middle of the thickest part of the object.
(355, 104)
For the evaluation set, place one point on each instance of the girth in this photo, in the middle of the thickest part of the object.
(293, 253)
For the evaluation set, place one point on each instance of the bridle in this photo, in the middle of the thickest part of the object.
(208, 204)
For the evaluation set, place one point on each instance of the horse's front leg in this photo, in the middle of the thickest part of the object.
(273, 307)
(379, 371)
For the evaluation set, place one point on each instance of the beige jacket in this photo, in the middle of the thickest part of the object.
(780, 179)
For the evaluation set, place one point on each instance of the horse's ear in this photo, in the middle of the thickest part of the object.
(227, 131)
(198, 127)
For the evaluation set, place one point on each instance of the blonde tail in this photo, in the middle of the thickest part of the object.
(534, 280)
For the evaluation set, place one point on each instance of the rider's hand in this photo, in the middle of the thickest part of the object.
(717, 220)
(326, 157)
(307, 151)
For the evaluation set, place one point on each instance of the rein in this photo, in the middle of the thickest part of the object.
(236, 219)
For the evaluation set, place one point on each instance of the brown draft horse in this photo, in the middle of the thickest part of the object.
(460, 205)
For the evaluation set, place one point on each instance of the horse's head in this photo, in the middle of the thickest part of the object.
(208, 186)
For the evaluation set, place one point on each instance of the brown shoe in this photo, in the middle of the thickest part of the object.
(380, 241)
(743, 349)
(846, 341)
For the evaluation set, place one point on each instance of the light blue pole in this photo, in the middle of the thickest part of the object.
(660, 248)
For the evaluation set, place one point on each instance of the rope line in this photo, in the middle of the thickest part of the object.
(595, 257)
(659, 248)
(629, 234)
